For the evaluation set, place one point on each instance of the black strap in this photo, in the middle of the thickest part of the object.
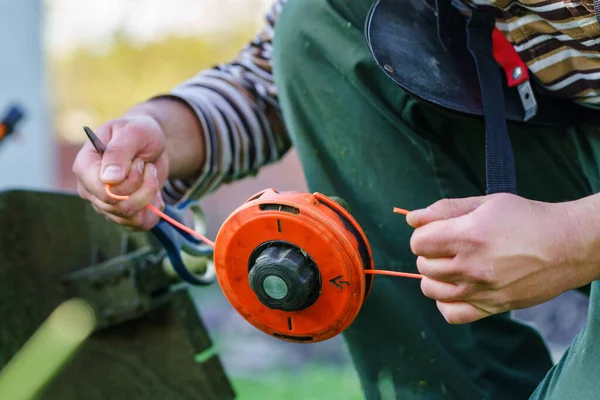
(500, 168)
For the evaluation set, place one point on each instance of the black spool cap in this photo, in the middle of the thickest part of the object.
(284, 277)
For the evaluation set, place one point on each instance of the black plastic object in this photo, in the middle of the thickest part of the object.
(430, 59)
(284, 277)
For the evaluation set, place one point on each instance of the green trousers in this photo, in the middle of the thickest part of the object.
(362, 138)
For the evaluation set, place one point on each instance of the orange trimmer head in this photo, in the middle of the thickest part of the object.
(293, 265)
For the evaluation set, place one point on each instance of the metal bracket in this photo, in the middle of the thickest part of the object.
(122, 288)
(528, 100)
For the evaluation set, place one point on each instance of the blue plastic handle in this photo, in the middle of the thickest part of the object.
(175, 240)
(12, 117)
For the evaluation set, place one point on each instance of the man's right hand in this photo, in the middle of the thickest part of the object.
(135, 164)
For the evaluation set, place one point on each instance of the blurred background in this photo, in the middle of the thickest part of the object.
(70, 63)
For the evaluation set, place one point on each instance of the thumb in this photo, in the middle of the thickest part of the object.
(127, 142)
(444, 209)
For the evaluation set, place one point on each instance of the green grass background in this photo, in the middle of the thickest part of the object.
(315, 382)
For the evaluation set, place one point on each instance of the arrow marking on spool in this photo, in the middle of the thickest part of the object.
(338, 282)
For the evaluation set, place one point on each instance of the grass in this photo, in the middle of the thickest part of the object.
(311, 383)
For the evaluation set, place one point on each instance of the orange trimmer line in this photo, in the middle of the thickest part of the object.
(401, 211)
(212, 244)
(393, 273)
(165, 217)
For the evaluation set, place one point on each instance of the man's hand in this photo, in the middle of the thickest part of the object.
(486, 255)
(155, 140)
(134, 164)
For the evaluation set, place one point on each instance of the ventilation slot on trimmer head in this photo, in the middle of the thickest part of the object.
(279, 207)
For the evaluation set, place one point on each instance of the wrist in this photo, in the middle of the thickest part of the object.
(184, 146)
(582, 231)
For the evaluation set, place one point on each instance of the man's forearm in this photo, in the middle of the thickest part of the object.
(184, 138)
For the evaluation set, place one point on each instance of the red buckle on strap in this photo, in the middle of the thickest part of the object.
(516, 71)
(506, 55)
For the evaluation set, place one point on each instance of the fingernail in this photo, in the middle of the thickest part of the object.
(112, 173)
(422, 210)
(158, 202)
(413, 216)
(140, 166)
(152, 170)
(414, 212)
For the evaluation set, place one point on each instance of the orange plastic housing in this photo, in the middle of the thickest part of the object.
(326, 232)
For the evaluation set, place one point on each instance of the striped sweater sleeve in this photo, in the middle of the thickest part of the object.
(237, 107)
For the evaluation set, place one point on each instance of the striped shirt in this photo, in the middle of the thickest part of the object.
(559, 41)
(236, 102)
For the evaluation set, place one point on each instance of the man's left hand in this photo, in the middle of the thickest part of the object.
(486, 255)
